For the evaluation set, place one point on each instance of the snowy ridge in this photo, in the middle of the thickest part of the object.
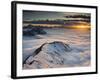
(56, 54)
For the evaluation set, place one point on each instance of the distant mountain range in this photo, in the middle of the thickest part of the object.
(60, 22)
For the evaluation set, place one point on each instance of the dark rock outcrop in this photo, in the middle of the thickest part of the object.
(32, 31)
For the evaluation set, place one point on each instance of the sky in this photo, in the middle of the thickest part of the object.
(44, 15)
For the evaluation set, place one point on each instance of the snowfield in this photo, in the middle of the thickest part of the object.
(60, 47)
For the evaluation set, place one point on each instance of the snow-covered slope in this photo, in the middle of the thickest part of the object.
(56, 54)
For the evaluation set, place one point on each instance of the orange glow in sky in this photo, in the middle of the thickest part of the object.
(82, 26)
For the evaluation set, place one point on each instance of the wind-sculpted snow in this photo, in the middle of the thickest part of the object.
(58, 48)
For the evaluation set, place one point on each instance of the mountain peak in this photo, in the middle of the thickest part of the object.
(53, 54)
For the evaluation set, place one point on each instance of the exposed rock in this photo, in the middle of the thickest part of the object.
(31, 30)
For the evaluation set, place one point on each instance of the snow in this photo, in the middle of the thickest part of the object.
(63, 48)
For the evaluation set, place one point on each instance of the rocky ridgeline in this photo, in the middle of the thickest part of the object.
(32, 31)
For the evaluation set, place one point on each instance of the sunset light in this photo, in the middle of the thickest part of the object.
(81, 26)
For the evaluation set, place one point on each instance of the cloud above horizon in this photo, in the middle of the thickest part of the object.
(44, 15)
